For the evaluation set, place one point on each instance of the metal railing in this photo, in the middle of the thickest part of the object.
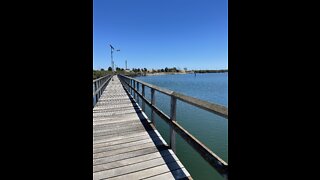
(98, 87)
(132, 86)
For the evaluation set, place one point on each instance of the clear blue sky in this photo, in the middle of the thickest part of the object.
(161, 33)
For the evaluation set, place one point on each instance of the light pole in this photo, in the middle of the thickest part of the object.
(112, 62)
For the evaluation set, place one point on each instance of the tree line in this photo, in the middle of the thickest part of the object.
(132, 72)
(143, 71)
(211, 71)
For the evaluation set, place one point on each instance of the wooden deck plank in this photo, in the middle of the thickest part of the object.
(180, 173)
(114, 113)
(109, 121)
(118, 138)
(122, 134)
(130, 168)
(121, 151)
(151, 171)
(115, 131)
(115, 118)
(128, 161)
(117, 126)
(126, 140)
(124, 145)
(127, 155)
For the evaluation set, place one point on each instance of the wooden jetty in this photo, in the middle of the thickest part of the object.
(126, 144)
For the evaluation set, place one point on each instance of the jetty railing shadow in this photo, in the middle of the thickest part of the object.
(132, 86)
(99, 86)
(161, 145)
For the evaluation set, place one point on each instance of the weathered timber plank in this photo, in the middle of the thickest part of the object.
(149, 170)
(125, 136)
(115, 131)
(121, 151)
(122, 141)
(116, 118)
(105, 137)
(107, 122)
(180, 173)
(124, 145)
(103, 114)
(128, 149)
(126, 155)
(132, 168)
(112, 126)
(129, 161)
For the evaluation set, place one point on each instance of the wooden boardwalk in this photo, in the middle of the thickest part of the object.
(125, 145)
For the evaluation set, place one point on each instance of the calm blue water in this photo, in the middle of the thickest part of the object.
(209, 128)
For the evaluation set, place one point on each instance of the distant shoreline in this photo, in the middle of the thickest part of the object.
(189, 72)
(167, 73)
(100, 73)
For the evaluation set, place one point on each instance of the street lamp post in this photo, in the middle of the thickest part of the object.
(112, 62)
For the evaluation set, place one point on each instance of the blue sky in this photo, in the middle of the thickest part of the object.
(161, 33)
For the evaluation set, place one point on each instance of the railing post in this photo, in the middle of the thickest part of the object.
(99, 87)
(134, 87)
(96, 87)
(102, 81)
(131, 84)
(143, 103)
(128, 82)
(153, 101)
(173, 110)
(138, 91)
(132, 91)
(100, 92)
(129, 89)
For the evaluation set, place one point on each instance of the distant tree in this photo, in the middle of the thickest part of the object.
(162, 70)
(145, 69)
(122, 69)
(109, 68)
(101, 69)
(166, 69)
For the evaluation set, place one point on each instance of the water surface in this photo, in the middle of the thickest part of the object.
(209, 128)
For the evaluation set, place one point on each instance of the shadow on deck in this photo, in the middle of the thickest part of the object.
(162, 147)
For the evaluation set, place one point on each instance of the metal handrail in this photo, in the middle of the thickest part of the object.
(213, 159)
(215, 108)
(100, 84)
(100, 78)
